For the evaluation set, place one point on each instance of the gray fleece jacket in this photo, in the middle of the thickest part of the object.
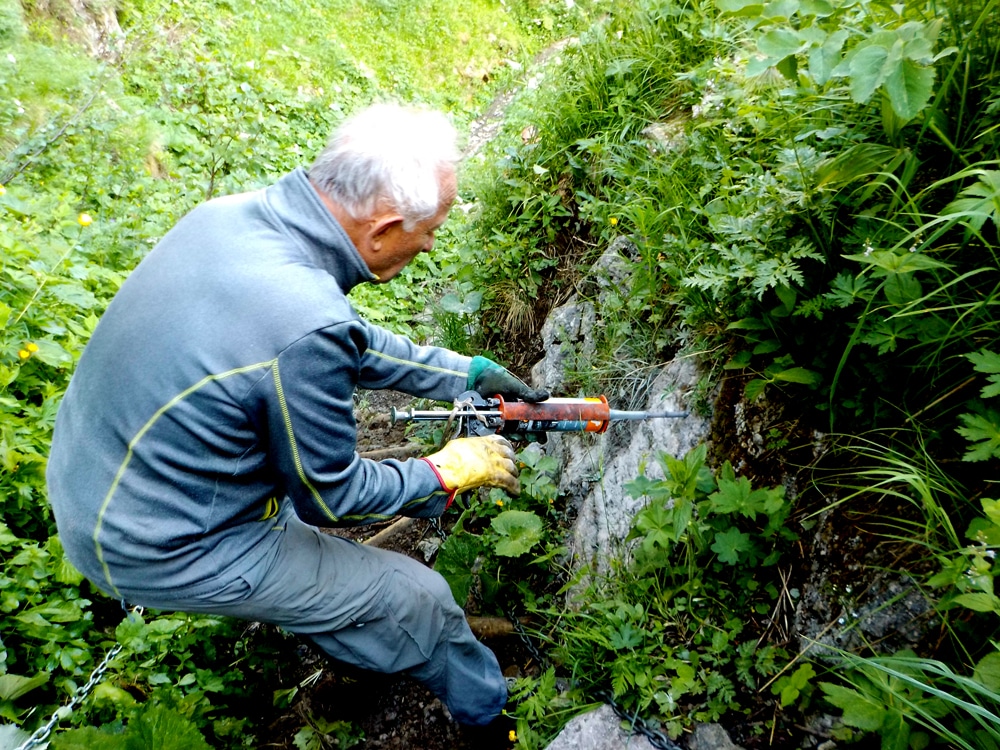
(218, 383)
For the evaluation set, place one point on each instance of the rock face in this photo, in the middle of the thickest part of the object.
(596, 471)
(91, 23)
(601, 729)
(596, 468)
(598, 730)
(841, 591)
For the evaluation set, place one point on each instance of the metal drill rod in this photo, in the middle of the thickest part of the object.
(614, 414)
(414, 415)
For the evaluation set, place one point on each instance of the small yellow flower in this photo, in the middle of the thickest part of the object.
(32, 347)
(84, 220)
(500, 503)
(613, 221)
(24, 354)
(512, 736)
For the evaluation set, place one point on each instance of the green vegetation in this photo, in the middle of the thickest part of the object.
(812, 192)
(810, 188)
(100, 154)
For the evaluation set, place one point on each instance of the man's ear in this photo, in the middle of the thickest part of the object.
(380, 226)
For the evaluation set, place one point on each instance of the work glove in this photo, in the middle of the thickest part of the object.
(488, 378)
(467, 463)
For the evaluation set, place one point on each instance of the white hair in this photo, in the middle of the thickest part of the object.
(387, 156)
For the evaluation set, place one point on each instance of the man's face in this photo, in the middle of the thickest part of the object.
(393, 247)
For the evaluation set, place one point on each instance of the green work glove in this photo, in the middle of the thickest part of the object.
(467, 463)
(487, 378)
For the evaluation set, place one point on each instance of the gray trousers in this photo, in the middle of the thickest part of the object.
(377, 609)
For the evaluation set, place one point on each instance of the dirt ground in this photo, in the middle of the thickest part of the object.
(393, 711)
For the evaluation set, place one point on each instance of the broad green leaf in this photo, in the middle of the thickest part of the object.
(859, 710)
(767, 347)
(781, 9)
(739, 361)
(867, 72)
(895, 731)
(987, 672)
(734, 497)
(643, 486)
(105, 692)
(908, 87)
(56, 611)
(131, 633)
(979, 602)
(520, 531)
(7, 539)
(897, 262)
(12, 736)
(992, 510)
(988, 362)
(779, 43)
(161, 728)
(821, 8)
(75, 295)
(456, 560)
(89, 738)
(729, 544)
(307, 738)
(824, 57)
(980, 201)
(983, 531)
(618, 68)
(798, 375)
(983, 431)
(743, 7)
(451, 303)
(4, 315)
(13, 686)
(754, 388)
(748, 324)
(52, 353)
(902, 288)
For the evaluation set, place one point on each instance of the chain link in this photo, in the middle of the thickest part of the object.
(41, 734)
(529, 644)
(638, 725)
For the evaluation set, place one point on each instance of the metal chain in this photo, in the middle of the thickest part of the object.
(41, 734)
(526, 639)
(638, 725)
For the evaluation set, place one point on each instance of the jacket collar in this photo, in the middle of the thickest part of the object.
(300, 209)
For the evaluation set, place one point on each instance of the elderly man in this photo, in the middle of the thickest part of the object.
(208, 428)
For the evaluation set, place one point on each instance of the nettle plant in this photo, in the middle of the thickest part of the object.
(668, 628)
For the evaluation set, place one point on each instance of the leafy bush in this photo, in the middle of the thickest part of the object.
(669, 629)
(98, 159)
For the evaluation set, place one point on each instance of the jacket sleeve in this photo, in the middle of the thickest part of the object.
(312, 436)
(393, 361)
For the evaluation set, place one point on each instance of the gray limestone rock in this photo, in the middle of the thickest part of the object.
(711, 737)
(596, 469)
(597, 730)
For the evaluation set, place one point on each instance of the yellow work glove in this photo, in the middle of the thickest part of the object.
(467, 463)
